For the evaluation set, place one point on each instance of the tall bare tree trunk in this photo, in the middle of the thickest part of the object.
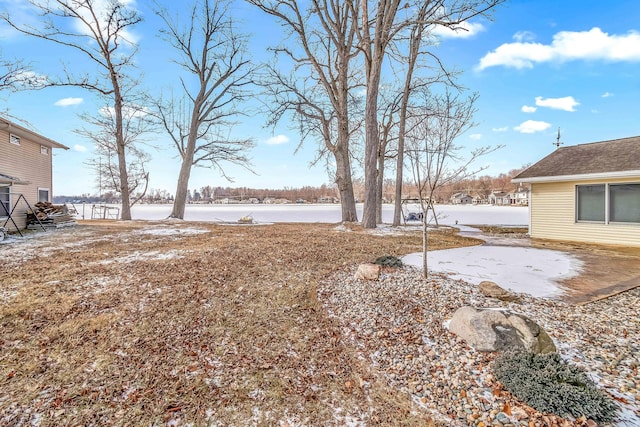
(375, 50)
(345, 184)
(182, 188)
(120, 148)
(402, 128)
(379, 186)
(372, 147)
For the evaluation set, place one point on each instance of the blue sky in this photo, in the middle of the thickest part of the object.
(538, 65)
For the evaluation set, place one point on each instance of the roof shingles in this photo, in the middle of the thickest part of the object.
(598, 157)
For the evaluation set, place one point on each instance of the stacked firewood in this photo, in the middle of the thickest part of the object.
(49, 215)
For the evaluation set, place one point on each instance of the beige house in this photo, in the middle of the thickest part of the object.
(587, 193)
(26, 168)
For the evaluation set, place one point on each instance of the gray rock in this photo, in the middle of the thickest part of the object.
(493, 290)
(498, 330)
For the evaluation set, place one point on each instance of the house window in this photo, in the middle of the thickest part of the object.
(43, 194)
(5, 201)
(591, 203)
(14, 139)
(624, 203)
(44, 150)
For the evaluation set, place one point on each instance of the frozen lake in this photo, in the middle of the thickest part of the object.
(330, 213)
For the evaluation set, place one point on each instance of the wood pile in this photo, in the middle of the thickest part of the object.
(49, 215)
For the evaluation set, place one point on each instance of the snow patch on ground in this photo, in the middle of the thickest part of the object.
(388, 230)
(144, 256)
(170, 231)
(528, 270)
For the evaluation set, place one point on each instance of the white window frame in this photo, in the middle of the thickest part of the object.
(607, 204)
(44, 150)
(48, 194)
(14, 139)
(605, 219)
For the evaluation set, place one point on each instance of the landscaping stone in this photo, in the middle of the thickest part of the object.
(498, 330)
(493, 290)
(368, 272)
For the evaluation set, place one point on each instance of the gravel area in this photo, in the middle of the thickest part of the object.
(398, 324)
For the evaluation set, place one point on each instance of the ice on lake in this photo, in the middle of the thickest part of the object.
(329, 213)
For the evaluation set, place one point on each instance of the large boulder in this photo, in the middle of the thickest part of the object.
(493, 290)
(368, 272)
(499, 330)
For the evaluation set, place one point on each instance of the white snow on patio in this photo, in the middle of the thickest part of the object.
(528, 270)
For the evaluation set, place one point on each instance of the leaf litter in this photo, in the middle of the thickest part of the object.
(96, 328)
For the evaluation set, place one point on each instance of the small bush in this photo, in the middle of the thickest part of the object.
(551, 385)
(388, 261)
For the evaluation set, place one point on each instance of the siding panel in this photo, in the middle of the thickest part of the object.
(553, 217)
(26, 162)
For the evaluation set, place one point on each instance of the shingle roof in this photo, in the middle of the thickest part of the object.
(603, 157)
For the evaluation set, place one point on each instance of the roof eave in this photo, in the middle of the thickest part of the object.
(31, 135)
(580, 177)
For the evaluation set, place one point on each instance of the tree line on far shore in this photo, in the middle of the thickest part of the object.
(477, 185)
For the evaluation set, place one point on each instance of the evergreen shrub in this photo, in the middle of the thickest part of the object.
(551, 385)
(388, 261)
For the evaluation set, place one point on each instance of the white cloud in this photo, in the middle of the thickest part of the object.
(101, 9)
(607, 94)
(568, 103)
(502, 129)
(277, 140)
(532, 126)
(31, 80)
(528, 109)
(80, 148)
(463, 31)
(524, 36)
(566, 46)
(65, 102)
(475, 136)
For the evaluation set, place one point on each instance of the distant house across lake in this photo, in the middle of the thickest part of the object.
(587, 193)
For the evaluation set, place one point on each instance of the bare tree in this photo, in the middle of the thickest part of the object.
(16, 74)
(380, 26)
(392, 123)
(417, 33)
(100, 31)
(375, 33)
(318, 91)
(212, 51)
(436, 159)
(136, 123)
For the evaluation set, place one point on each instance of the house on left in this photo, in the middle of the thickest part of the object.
(26, 168)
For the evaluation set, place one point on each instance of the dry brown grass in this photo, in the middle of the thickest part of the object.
(501, 230)
(229, 331)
